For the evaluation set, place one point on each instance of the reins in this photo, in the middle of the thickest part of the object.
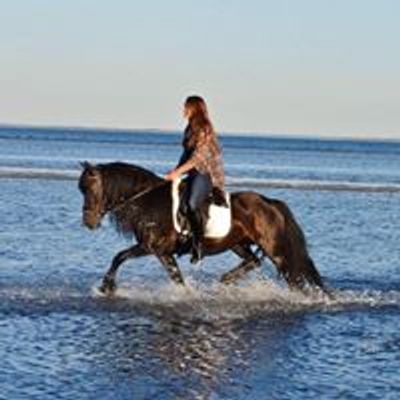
(135, 197)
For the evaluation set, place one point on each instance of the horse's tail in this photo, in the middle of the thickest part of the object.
(300, 268)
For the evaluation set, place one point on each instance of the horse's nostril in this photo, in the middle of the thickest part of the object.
(90, 225)
(90, 220)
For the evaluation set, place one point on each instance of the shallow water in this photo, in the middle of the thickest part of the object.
(59, 338)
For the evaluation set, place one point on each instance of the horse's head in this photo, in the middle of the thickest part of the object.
(91, 186)
(106, 186)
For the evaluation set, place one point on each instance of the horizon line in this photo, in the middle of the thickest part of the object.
(272, 135)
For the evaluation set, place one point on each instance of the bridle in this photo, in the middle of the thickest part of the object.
(105, 208)
(130, 199)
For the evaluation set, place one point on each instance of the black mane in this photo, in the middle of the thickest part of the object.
(123, 180)
(120, 171)
(122, 183)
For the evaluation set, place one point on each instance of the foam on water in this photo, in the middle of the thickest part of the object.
(303, 184)
(196, 300)
(38, 173)
(312, 184)
(262, 297)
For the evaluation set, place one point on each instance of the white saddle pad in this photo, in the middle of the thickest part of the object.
(219, 222)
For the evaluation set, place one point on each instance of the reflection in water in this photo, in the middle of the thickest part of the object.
(202, 353)
(167, 353)
(180, 358)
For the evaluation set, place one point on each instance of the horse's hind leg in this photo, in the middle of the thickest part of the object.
(250, 262)
(172, 268)
(294, 281)
(108, 284)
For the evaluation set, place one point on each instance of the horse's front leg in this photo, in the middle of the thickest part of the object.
(172, 268)
(108, 285)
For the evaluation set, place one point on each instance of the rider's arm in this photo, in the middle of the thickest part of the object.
(193, 161)
(182, 169)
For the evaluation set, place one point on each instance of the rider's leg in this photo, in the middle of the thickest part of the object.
(200, 188)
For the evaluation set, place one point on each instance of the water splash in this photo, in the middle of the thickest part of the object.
(195, 301)
(255, 299)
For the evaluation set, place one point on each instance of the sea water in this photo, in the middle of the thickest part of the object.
(60, 339)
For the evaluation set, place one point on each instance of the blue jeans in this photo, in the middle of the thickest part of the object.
(200, 188)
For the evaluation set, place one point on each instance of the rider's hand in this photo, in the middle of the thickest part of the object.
(171, 175)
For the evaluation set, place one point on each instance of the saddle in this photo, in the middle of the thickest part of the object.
(216, 211)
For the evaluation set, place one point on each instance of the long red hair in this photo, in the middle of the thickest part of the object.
(199, 122)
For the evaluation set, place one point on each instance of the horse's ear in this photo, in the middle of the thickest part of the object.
(85, 165)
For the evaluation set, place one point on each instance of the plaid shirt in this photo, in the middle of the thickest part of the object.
(206, 153)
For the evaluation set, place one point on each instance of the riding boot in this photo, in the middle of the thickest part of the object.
(196, 223)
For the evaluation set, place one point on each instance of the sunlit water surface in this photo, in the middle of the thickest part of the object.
(60, 339)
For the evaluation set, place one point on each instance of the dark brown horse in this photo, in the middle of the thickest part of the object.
(139, 202)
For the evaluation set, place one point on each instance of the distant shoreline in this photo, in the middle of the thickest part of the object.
(271, 135)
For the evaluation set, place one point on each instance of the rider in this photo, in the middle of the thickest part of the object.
(202, 160)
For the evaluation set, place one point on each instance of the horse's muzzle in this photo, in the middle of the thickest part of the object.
(91, 220)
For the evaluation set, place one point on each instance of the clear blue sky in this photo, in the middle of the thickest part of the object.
(323, 67)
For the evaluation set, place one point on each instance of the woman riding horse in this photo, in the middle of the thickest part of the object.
(202, 160)
(140, 204)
